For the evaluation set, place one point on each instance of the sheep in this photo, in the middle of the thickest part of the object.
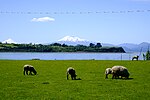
(71, 71)
(120, 71)
(29, 68)
(135, 58)
(108, 71)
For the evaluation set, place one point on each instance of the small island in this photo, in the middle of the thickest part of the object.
(57, 47)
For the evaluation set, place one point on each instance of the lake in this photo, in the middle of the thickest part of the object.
(67, 56)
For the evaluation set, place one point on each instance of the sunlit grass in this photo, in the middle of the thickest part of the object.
(51, 83)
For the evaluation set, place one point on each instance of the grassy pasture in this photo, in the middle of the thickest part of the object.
(51, 83)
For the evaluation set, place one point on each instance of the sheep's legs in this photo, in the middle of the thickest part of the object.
(26, 72)
(106, 76)
(67, 76)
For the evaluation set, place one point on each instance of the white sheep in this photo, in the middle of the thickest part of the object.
(29, 68)
(71, 71)
(120, 71)
(135, 57)
(108, 71)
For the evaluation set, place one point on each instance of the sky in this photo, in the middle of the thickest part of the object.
(46, 21)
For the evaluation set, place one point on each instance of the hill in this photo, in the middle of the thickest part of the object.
(57, 47)
(129, 47)
(74, 41)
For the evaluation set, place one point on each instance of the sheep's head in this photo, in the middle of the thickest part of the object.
(34, 71)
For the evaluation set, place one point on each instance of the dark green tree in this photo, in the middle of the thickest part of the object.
(56, 44)
(148, 55)
(98, 45)
(64, 45)
(92, 45)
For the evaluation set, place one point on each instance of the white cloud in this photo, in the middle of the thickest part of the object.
(43, 19)
(9, 41)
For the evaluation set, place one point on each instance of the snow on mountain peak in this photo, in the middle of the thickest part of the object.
(72, 39)
(9, 41)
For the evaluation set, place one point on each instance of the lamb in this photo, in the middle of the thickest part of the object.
(108, 71)
(71, 71)
(135, 58)
(120, 71)
(29, 68)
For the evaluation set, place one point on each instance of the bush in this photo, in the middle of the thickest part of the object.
(148, 55)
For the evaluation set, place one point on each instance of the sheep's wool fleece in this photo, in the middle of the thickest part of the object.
(120, 68)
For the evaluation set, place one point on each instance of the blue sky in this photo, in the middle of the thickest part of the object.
(46, 21)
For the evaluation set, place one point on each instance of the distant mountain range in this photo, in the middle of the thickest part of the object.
(128, 47)
(72, 40)
(9, 41)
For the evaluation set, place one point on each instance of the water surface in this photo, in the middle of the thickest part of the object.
(67, 56)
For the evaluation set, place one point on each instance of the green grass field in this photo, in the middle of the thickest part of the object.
(51, 83)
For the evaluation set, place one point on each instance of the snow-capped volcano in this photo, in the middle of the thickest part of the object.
(72, 40)
(9, 41)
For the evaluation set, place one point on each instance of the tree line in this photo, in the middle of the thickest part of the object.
(57, 47)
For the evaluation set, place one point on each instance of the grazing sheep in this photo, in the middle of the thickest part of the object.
(120, 71)
(71, 71)
(108, 71)
(29, 68)
(135, 58)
